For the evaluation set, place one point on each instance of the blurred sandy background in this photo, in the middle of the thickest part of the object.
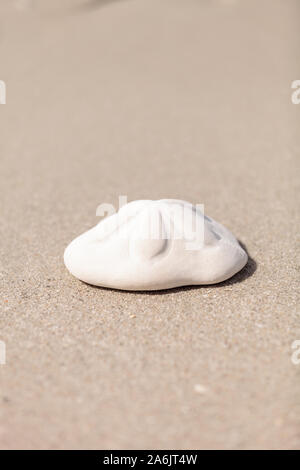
(150, 99)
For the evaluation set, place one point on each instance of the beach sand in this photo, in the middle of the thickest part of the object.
(149, 99)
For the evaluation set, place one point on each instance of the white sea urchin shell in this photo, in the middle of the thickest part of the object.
(151, 245)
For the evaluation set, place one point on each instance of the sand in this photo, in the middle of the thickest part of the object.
(149, 99)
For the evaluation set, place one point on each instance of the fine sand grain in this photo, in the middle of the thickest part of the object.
(149, 99)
